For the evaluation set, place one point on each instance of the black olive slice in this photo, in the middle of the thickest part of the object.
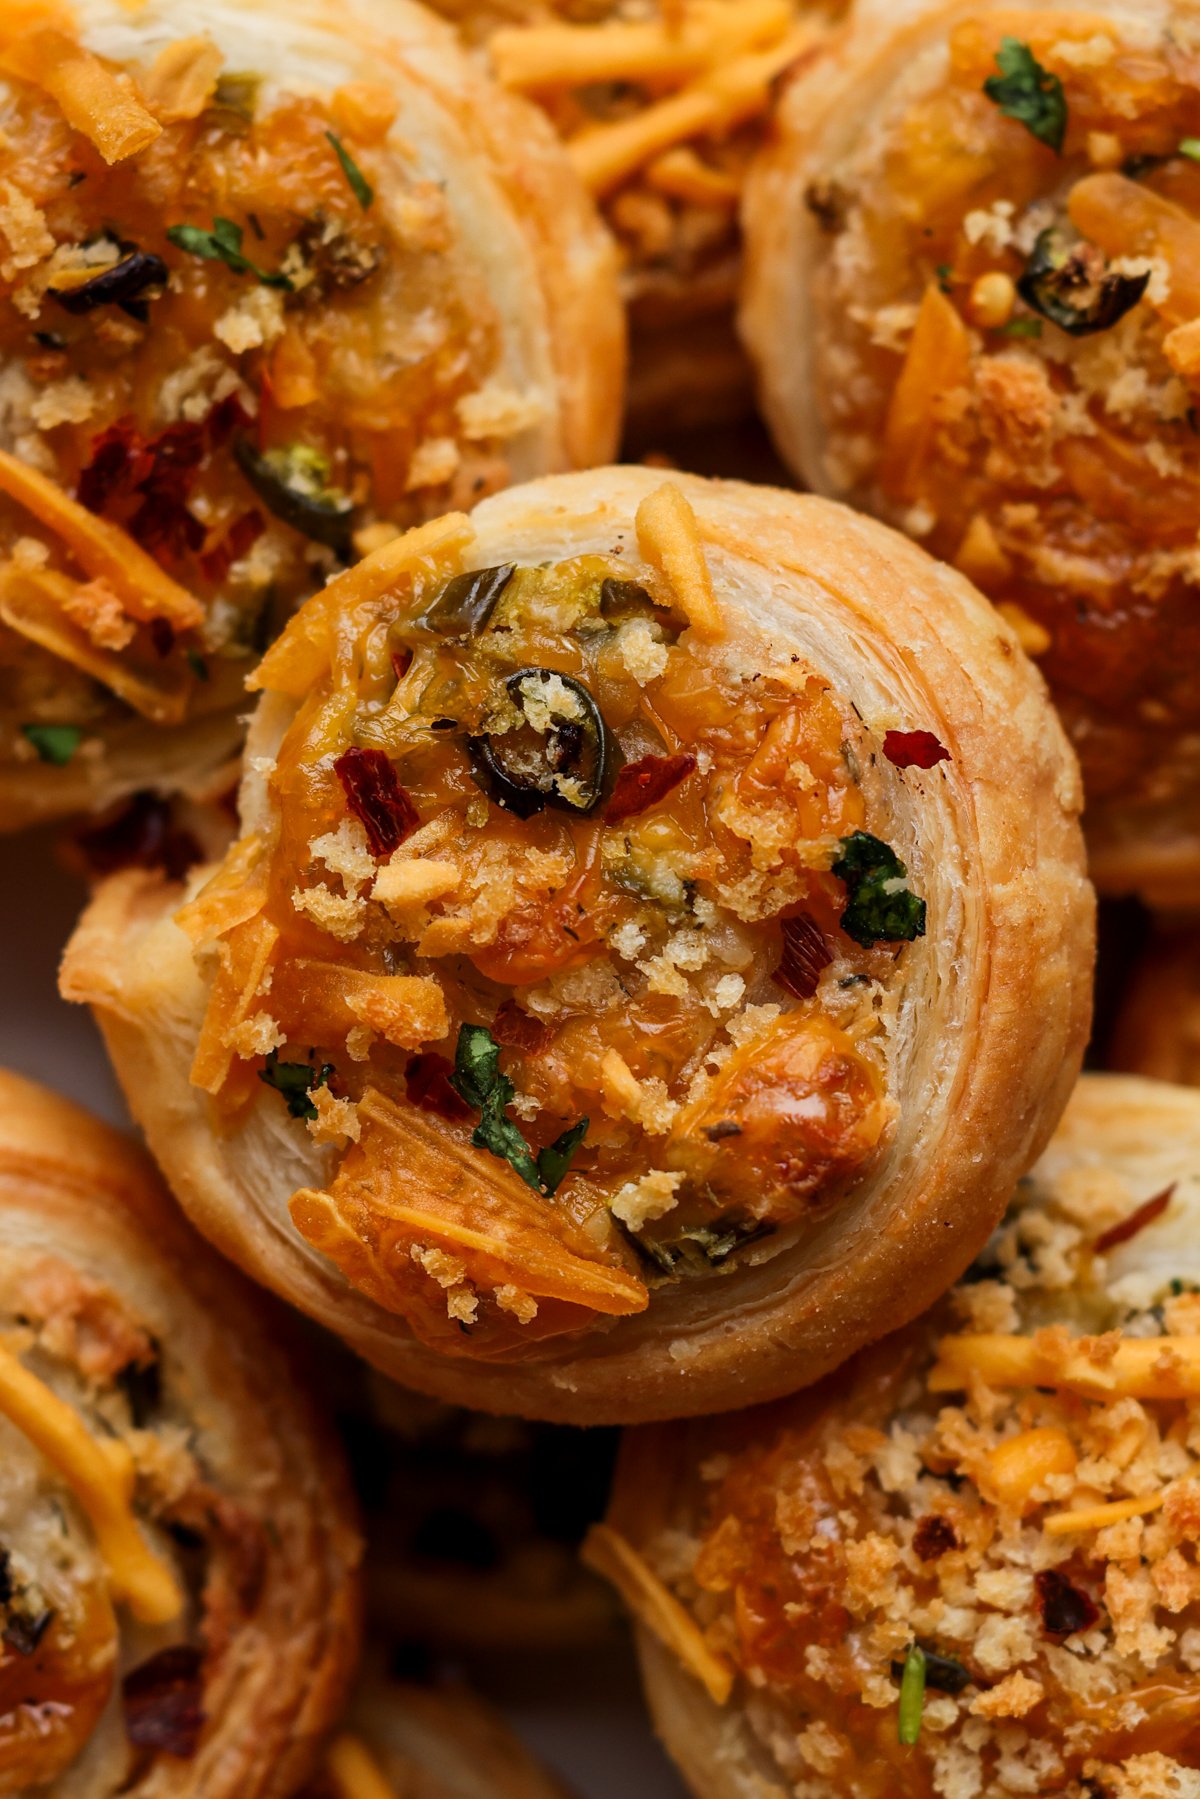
(624, 599)
(292, 490)
(466, 602)
(1074, 287)
(124, 284)
(569, 766)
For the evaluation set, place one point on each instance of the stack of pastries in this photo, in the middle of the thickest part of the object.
(602, 955)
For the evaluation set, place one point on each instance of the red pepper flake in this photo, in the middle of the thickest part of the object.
(805, 954)
(644, 783)
(934, 1536)
(162, 1696)
(237, 540)
(119, 458)
(376, 798)
(914, 749)
(401, 662)
(1137, 1220)
(142, 834)
(514, 1028)
(1065, 1609)
(226, 417)
(162, 635)
(427, 1086)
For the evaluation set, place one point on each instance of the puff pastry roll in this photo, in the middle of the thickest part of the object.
(406, 1741)
(657, 940)
(1157, 1031)
(967, 1561)
(275, 282)
(971, 297)
(178, 1548)
(662, 108)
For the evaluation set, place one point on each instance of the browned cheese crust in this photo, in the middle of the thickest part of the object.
(963, 1043)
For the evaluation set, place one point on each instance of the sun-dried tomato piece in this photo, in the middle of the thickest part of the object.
(382, 806)
(1065, 1607)
(427, 1086)
(238, 538)
(514, 1028)
(644, 783)
(119, 458)
(142, 834)
(1137, 1220)
(401, 662)
(914, 749)
(805, 954)
(162, 635)
(163, 1701)
(934, 1536)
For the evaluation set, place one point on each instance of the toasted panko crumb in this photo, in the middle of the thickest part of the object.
(341, 915)
(523, 1306)
(640, 1202)
(337, 1120)
(23, 227)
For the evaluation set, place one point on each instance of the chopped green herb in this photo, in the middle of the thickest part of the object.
(197, 664)
(54, 743)
(237, 93)
(1021, 328)
(881, 909)
(360, 187)
(296, 1081)
(223, 244)
(477, 1078)
(1028, 93)
(912, 1695)
(1190, 147)
(945, 276)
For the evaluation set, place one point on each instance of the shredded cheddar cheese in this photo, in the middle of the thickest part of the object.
(181, 79)
(669, 538)
(609, 1554)
(354, 1771)
(300, 654)
(407, 881)
(1097, 1368)
(622, 1089)
(102, 105)
(567, 55)
(101, 1474)
(607, 155)
(102, 549)
(682, 175)
(1099, 1517)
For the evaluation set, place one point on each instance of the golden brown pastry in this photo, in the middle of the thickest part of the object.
(973, 301)
(405, 1741)
(1158, 1028)
(178, 1548)
(967, 1562)
(657, 941)
(275, 282)
(662, 107)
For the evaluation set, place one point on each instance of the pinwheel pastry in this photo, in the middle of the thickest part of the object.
(662, 107)
(275, 281)
(178, 1549)
(408, 1741)
(966, 1563)
(973, 296)
(1158, 1029)
(656, 942)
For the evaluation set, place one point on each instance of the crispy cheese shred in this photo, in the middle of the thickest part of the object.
(669, 539)
(102, 105)
(609, 1554)
(354, 1771)
(1096, 1367)
(101, 1475)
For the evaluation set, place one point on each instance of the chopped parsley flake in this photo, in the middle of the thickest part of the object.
(1190, 147)
(1021, 328)
(881, 909)
(54, 743)
(197, 664)
(295, 1081)
(477, 1079)
(222, 244)
(1028, 93)
(912, 1695)
(360, 187)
